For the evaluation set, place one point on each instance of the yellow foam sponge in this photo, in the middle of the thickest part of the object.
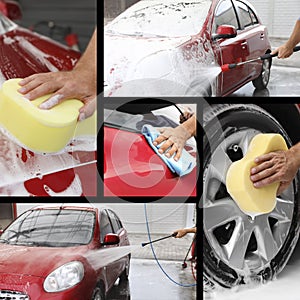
(254, 201)
(38, 129)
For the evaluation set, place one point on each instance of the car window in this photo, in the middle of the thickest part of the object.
(244, 14)
(115, 221)
(253, 16)
(105, 225)
(224, 15)
(52, 228)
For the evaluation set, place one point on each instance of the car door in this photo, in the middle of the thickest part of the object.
(120, 231)
(231, 50)
(112, 269)
(256, 35)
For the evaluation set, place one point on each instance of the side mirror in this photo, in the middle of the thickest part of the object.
(11, 9)
(111, 239)
(225, 32)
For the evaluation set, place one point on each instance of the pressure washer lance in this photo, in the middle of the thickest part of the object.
(163, 238)
(227, 67)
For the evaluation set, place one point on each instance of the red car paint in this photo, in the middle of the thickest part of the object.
(24, 53)
(250, 42)
(131, 168)
(20, 272)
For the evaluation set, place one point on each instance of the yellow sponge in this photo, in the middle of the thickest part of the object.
(254, 201)
(38, 129)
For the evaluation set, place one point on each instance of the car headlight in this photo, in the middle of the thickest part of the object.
(64, 277)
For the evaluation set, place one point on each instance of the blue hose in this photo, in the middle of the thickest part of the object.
(155, 257)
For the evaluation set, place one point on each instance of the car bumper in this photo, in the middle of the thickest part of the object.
(25, 287)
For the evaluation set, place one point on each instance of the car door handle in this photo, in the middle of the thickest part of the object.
(244, 45)
(262, 35)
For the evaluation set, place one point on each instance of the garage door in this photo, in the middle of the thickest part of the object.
(162, 217)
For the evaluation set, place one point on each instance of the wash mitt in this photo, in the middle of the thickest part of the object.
(183, 166)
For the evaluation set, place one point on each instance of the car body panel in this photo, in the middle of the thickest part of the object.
(131, 168)
(24, 53)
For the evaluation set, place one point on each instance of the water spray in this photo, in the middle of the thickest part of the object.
(228, 67)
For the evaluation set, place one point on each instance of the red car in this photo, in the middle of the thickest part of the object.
(45, 254)
(72, 172)
(169, 48)
(131, 167)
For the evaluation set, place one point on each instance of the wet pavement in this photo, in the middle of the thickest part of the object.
(148, 282)
(284, 82)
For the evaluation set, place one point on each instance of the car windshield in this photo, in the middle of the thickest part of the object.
(167, 18)
(51, 228)
(6, 24)
(134, 122)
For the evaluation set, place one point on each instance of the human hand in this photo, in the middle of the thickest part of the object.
(180, 233)
(283, 51)
(276, 166)
(186, 115)
(175, 139)
(63, 85)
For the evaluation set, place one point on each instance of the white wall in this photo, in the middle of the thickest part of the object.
(278, 15)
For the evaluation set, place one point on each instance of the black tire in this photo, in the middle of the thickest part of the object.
(98, 294)
(224, 123)
(125, 274)
(261, 82)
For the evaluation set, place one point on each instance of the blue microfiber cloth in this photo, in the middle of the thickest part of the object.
(183, 166)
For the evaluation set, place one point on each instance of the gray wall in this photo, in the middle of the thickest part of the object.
(80, 15)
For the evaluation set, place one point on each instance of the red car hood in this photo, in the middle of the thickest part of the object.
(122, 55)
(36, 261)
(131, 168)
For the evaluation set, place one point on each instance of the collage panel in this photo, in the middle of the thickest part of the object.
(250, 199)
(150, 149)
(98, 251)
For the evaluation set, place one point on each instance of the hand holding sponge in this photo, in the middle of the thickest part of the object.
(254, 201)
(39, 130)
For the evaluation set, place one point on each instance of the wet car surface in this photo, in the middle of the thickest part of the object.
(63, 240)
(131, 167)
(23, 53)
(185, 58)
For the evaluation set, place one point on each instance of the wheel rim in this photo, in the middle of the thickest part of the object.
(266, 71)
(239, 241)
(97, 294)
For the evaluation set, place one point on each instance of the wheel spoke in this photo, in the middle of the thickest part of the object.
(220, 162)
(266, 244)
(283, 210)
(219, 213)
(238, 243)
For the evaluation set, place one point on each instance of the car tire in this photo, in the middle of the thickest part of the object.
(261, 82)
(98, 294)
(267, 242)
(125, 274)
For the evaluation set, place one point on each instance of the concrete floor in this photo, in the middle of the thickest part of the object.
(284, 81)
(148, 282)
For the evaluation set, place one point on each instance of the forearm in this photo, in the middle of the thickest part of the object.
(190, 125)
(295, 151)
(88, 61)
(295, 36)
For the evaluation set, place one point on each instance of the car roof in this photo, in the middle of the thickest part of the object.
(70, 206)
